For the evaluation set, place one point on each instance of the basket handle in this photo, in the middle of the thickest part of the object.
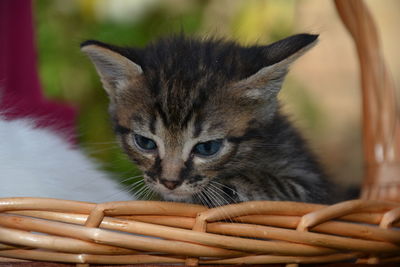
(381, 123)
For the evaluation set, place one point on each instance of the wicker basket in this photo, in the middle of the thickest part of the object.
(262, 232)
(164, 232)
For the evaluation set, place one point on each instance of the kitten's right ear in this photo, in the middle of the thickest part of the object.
(116, 71)
(266, 82)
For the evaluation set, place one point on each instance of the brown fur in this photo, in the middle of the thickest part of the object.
(187, 97)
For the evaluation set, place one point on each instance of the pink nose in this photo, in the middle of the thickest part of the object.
(170, 184)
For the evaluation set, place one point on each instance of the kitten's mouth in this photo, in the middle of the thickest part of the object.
(181, 193)
(176, 196)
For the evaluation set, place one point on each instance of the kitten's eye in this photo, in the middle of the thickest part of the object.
(207, 148)
(145, 143)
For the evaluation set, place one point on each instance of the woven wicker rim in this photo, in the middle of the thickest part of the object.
(165, 232)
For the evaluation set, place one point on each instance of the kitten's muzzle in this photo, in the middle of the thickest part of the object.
(171, 184)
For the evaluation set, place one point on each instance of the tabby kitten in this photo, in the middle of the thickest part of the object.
(201, 119)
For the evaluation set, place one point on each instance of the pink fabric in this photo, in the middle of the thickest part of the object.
(20, 90)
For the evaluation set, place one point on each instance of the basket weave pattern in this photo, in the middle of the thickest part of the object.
(164, 232)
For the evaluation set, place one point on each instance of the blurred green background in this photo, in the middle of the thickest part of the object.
(321, 92)
(68, 75)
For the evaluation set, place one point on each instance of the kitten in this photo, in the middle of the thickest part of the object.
(38, 162)
(202, 121)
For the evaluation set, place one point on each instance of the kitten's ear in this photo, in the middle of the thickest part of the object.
(266, 83)
(116, 71)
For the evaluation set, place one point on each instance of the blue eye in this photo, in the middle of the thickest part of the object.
(145, 143)
(207, 148)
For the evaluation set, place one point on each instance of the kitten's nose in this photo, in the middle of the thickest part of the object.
(170, 184)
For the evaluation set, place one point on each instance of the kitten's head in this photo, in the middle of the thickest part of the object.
(181, 107)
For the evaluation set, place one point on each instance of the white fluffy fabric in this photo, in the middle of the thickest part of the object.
(39, 163)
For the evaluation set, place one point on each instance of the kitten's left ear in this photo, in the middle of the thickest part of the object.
(116, 71)
(266, 83)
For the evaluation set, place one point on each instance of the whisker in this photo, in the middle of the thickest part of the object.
(205, 199)
(148, 193)
(199, 199)
(139, 193)
(132, 178)
(215, 184)
(215, 196)
(101, 143)
(111, 196)
(93, 151)
(136, 185)
(152, 194)
(222, 191)
(212, 197)
(220, 200)
(144, 193)
(195, 199)
(227, 187)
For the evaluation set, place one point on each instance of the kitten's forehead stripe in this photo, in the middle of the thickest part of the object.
(187, 118)
(198, 126)
(162, 113)
(119, 129)
(152, 125)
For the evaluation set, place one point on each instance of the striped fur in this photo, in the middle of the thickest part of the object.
(180, 92)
